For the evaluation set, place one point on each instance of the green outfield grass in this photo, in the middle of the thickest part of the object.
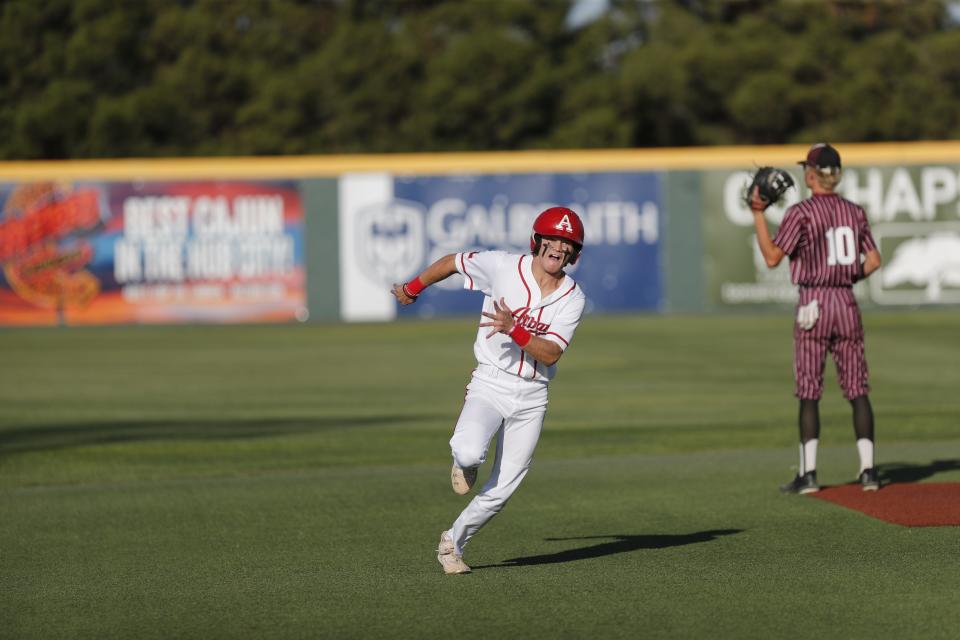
(291, 481)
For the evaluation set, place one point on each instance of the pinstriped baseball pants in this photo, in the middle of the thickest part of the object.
(839, 331)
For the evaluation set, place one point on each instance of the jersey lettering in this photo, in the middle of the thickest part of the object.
(841, 246)
(532, 325)
(564, 224)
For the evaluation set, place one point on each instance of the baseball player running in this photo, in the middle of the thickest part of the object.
(531, 309)
(828, 241)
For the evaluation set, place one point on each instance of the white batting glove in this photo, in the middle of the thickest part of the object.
(808, 314)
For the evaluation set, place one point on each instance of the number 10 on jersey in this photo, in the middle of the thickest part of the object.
(841, 247)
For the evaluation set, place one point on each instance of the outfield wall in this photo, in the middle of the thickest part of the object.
(322, 238)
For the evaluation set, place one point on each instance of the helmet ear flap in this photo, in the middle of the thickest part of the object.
(535, 241)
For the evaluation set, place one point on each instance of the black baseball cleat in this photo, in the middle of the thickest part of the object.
(806, 483)
(869, 479)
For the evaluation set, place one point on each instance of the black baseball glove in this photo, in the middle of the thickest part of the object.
(770, 183)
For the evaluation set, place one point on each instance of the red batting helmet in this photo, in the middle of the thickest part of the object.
(558, 222)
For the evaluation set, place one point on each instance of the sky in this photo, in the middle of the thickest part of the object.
(586, 11)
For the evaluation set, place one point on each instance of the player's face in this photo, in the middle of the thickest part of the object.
(555, 253)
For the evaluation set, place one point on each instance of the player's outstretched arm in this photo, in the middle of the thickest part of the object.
(540, 349)
(442, 269)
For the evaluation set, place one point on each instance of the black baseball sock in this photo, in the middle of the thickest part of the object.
(809, 420)
(809, 434)
(862, 417)
(863, 428)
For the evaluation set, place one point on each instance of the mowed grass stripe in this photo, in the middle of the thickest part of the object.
(201, 401)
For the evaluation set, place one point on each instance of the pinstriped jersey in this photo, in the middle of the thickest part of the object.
(509, 276)
(824, 236)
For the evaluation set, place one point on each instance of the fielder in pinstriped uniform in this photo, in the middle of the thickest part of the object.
(828, 241)
(531, 309)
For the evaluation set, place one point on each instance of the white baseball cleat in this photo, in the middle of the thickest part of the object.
(451, 561)
(462, 480)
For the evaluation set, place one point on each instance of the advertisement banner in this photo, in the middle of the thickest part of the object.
(393, 227)
(124, 252)
(914, 213)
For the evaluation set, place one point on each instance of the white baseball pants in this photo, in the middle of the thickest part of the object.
(513, 409)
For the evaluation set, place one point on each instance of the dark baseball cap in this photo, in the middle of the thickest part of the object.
(822, 156)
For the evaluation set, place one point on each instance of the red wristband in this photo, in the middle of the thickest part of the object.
(414, 287)
(520, 335)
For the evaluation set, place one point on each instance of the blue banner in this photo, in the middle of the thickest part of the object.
(619, 268)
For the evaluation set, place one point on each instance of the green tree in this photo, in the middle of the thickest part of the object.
(100, 78)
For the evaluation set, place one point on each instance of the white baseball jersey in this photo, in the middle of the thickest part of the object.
(509, 276)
